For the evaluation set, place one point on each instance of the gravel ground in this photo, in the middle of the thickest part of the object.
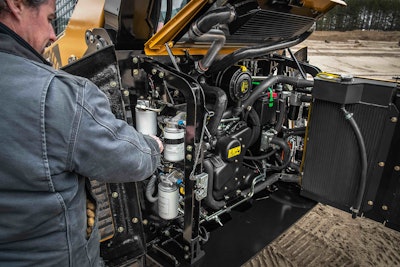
(326, 236)
(363, 54)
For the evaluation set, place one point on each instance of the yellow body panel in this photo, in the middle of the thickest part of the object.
(88, 14)
(156, 44)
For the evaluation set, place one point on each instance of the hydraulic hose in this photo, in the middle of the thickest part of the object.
(284, 177)
(281, 117)
(219, 107)
(364, 162)
(286, 154)
(221, 15)
(201, 30)
(256, 51)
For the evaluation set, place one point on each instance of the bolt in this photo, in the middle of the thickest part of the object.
(186, 256)
(381, 164)
(397, 168)
(189, 157)
(98, 46)
(120, 229)
(145, 222)
(384, 207)
(393, 119)
(161, 75)
(135, 60)
(236, 161)
(91, 39)
(113, 84)
(370, 202)
(186, 248)
(225, 188)
(236, 179)
(135, 220)
(153, 71)
(189, 148)
(126, 93)
(114, 194)
(135, 72)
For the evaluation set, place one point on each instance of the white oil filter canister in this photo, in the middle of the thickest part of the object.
(174, 144)
(168, 200)
(146, 120)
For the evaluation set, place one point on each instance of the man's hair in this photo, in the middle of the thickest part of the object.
(31, 3)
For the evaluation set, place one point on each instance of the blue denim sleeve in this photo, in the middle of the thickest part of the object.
(105, 148)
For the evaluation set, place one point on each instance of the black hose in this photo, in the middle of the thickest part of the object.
(256, 126)
(286, 153)
(284, 177)
(255, 51)
(260, 157)
(219, 107)
(221, 15)
(364, 162)
(210, 200)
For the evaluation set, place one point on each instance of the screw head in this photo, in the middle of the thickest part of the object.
(397, 168)
(135, 220)
(393, 119)
(381, 164)
(384, 207)
(114, 195)
(120, 229)
(370, 202)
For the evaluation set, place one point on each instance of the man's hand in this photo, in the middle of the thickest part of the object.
(160, 144)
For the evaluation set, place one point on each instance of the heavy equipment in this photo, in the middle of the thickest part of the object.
(238, 113)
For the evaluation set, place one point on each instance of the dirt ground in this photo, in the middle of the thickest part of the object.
(326, 236)
(369, 54)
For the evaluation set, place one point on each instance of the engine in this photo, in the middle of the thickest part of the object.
(219, 84)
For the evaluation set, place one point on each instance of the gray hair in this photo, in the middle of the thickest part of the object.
(30, 3)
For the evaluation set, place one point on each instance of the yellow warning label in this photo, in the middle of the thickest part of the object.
(234, 152)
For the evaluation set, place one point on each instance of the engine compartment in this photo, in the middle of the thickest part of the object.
(219, 84)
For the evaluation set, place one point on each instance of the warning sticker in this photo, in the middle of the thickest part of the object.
(234, 152)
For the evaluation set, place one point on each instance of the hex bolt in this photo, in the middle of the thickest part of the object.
(393, 119)
(135, 220)
(153, 71)
(189, 148)
(381, 164)
(135, 72)
(370, 202)
(126, 93)
(120, 229)
(114, 194)
(189, 157)
(113, 84)
(397, 168)
(384, 207)
(135, 60)
(161, 75)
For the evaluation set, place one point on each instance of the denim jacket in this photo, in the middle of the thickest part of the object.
(55, 129)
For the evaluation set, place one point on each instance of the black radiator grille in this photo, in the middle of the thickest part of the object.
(264, 25)
(332, 167)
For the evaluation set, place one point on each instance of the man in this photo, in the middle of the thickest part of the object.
(55, 129)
